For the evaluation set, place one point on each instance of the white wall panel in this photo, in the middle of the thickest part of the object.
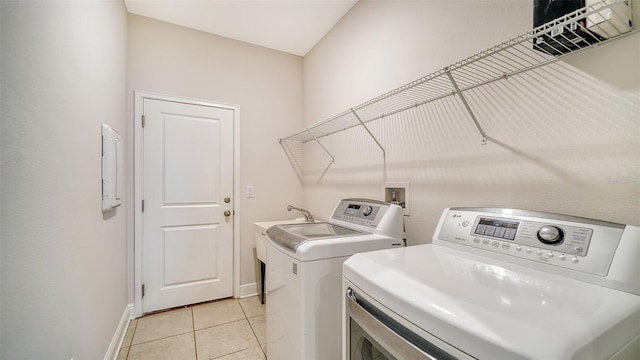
(63, 261)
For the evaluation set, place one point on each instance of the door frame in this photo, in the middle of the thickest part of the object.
(137, 179)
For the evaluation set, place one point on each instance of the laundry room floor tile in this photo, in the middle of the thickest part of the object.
(180, 347)
(225, 339)
(252, 306)
(162, 325)
(254, 353)
(216, 313)
(227, 329)
(259, 327)
(128, 336)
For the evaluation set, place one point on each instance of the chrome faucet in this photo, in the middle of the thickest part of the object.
(307, 215)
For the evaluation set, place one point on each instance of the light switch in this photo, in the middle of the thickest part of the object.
(250, 191)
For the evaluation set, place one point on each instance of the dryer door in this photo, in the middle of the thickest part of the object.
(373, 334)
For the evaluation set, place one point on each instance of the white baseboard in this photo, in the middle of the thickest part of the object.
(248, 290)
(121, 330)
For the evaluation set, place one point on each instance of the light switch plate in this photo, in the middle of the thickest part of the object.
(250, 191)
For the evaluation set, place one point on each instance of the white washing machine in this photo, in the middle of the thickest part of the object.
(304, 275)
(499, 284)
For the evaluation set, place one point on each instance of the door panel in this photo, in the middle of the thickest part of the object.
(187, 146)
(187, 244)
(187, 252)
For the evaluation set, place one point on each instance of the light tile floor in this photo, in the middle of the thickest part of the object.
(226, 330)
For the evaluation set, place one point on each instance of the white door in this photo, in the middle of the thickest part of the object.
(187, 240)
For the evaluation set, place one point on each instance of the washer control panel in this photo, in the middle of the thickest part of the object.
(361, 212)
(570, 242)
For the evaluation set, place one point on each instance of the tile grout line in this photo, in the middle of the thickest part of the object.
(135, 328)
(162, 338)
(224, 323)
(254, 333)
(252, 330)
(126, 356)
(246, 319)
(193, 327)
(235, 352)
(250, 327)
(241, 308)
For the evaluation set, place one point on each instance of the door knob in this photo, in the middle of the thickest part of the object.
(227, 200)
(227, 213)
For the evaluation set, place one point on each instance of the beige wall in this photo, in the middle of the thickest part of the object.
(265, 84)
(64, 286)
(565, 138)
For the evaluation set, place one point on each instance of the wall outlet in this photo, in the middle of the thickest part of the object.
(251, 192)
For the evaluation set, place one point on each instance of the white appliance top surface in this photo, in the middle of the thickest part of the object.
(331, 247)
(493, 309)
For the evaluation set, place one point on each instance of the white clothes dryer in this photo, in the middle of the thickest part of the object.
(304, 275)
(499, 284)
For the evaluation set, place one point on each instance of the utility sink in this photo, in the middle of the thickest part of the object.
(293, 235)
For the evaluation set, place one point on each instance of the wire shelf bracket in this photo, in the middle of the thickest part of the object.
(297, 166)
(384, 153)
(333, 160)
(466, 105)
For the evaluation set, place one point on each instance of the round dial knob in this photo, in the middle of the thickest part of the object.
(367, 210)
(549, 234)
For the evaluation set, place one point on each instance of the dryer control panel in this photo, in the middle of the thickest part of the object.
(574, 243)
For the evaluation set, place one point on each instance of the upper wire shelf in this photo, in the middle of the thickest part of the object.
(585, 28)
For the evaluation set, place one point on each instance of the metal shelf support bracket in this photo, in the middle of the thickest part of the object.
(384, 153)
(292, 159)
(333, 160)
(466, 105)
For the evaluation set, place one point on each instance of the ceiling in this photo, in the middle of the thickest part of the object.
(292, 26)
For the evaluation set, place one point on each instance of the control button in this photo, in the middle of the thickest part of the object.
(539, 252)
(465, 223)
(562, 257)
(549, 234)
(485, 242)
(495, 244)
(506, 246)
(489, 230)
(367, 210)
(578, 249)
(518, 248)
(528, 250)
(574, 260)
(550, 254)
(476, 240)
